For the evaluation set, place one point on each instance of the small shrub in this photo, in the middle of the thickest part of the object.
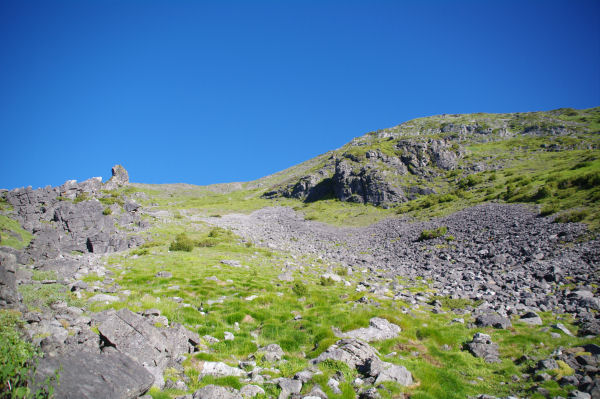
(206, 243)
(107, 211)
(140, 251)
(326, 281)
(470, 181)
(16, 357)
(182, 243)
(300, 289)
(431, 234)
(563, 370)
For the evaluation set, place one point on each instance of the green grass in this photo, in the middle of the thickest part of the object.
(41, 296)
(270, 316)
(12, 234)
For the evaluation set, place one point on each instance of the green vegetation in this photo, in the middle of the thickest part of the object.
(182, 243)
(17, 360)
(41, 296)
(12, 234)
(431, 234)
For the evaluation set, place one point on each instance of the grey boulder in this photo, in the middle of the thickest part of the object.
(493, 320)
(379, 329)
(85, 375)
(482, 346)
(272, 352)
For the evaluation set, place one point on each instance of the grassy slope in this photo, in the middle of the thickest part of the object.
(453, 373)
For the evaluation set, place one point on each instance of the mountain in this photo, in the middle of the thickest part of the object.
(454, 256)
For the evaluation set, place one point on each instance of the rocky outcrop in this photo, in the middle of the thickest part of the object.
(366, 185)
(72, 217)
(418, 155)
(370, 178)
(119, 178)
(150, 346)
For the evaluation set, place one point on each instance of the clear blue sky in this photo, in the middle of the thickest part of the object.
(217, 91)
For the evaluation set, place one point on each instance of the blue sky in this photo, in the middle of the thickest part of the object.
(206, 92)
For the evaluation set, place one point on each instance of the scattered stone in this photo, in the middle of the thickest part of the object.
(250, 391)
(379, 329)
(483, 347)
(561, 327)
(219, 369)
(532, 319)
(286, 276)
(164, 274)
(104, 298)
(217, 392)
(289, 386)
(272, 352)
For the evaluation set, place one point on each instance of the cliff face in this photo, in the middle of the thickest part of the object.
(394, 165)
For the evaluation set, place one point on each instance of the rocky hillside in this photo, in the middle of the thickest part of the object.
(471, 270)
(430, 155)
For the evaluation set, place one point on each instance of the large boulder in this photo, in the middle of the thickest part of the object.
(493, 320)
(150, 346)
(355, 353)
(85, 375)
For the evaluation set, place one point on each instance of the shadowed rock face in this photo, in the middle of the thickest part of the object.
(367, 179)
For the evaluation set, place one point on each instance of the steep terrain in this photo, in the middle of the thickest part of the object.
(447, 257)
